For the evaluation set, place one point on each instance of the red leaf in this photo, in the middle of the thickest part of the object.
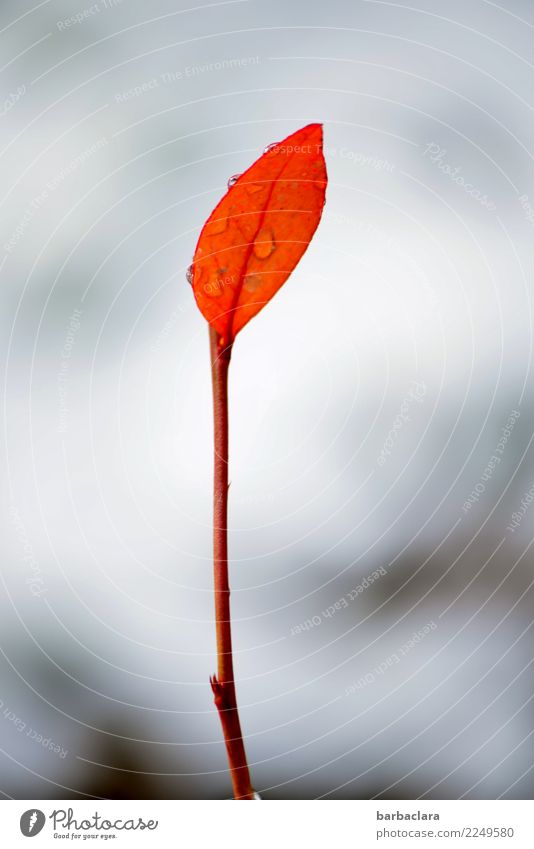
(257, 233)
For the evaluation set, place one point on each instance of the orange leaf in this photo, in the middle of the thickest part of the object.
(257, 233)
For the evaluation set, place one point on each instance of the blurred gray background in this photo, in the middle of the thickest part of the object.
(381, 404)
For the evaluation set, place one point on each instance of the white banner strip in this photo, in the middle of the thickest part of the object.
(275, 825)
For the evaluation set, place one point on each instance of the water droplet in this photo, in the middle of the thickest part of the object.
(264, 244)
(217, 226)
(270, 147)
(233, 180)
(189, 275)
(252, 282)
(253, 188)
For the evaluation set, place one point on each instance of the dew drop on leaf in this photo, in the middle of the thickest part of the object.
(233, 180)
(252, 282)
(270, 147)
(189, 275)
(264, 244)
(218, 225)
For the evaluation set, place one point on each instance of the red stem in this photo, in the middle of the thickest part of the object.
(223, 684)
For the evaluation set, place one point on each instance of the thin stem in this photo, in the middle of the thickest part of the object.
(223, 684)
